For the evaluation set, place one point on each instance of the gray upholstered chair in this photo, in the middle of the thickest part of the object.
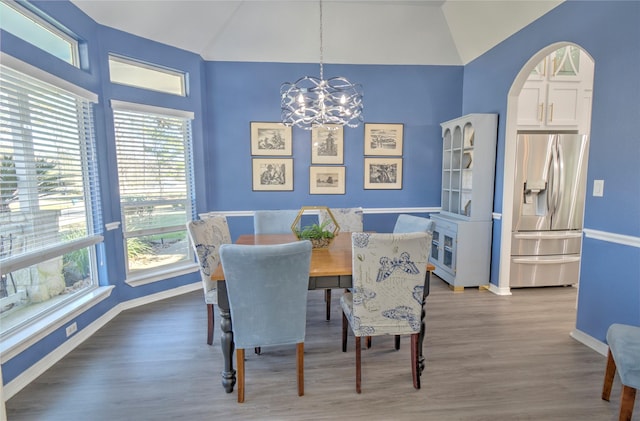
(273, 221)
(410, 223)
(267, 289)
(389, 271)
(349, 220)
(206, 236)
(623, 356)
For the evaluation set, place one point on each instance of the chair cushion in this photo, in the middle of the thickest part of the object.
(624, 343)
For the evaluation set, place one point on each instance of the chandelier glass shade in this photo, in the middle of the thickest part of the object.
(317, 102)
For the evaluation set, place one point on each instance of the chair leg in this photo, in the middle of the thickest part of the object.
(627, 401)
(240, 360)
(368, 342)
(327, 298)
(397, 342)
(345, 324)
(210, 320)
(300, 367)
(415, 352)
(358, 365)
(609, 374)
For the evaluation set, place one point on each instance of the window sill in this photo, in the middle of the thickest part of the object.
(161, 274)
(19, 341)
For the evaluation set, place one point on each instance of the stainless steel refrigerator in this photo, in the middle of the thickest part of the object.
(548, 209)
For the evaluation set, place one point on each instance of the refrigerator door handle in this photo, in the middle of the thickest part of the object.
(555, 178)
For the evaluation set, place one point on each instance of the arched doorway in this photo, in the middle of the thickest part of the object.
(511, 133)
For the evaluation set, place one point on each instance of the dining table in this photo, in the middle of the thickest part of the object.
(330, 268)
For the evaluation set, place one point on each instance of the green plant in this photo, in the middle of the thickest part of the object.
(314, 232)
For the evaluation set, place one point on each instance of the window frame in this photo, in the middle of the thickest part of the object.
(91, 240)
(186, 265)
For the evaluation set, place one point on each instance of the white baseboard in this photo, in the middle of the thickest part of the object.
(498, 290)
(590, 341)
(30, 374)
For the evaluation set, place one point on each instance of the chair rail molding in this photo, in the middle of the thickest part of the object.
(627, 240)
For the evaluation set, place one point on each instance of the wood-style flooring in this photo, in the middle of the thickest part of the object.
(488, 357)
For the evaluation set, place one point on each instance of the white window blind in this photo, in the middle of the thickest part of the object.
(49, 201)
(155, 179)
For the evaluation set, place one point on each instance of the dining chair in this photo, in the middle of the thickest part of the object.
(389, 272)
(349, 220)
(206, 236)
(623, 357)
(267, 290)
(411, 223)
(273, 221)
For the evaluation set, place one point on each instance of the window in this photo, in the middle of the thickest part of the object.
(153, 147)
(34, 29)
(133, 73)
(49, 202)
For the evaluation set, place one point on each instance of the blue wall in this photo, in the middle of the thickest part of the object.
(610, 32)
(420, 97)
(226, 96)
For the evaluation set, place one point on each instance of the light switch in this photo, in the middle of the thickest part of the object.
(598, 188)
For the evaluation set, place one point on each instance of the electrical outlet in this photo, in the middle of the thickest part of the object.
(71, 329)
(598, 188)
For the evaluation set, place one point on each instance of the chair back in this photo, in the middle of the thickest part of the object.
(273, 221)
(267, 289)
(349, 219)
(206, 236)
(389, 272)
(409, 223)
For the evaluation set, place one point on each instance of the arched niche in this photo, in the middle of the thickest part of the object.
(511, 132)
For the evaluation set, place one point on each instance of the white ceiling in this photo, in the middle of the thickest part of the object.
(422, 32)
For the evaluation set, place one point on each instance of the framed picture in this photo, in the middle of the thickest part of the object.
(383, 139)
(326, 180)
(270, 139)
(383, 173)
(272, 174)
(327, 145)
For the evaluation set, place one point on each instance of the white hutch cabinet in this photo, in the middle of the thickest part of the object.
(461, 250)
(553, 96)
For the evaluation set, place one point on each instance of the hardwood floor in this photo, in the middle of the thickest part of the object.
(488, 358)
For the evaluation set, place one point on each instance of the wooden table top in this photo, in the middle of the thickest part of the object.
(334, 260)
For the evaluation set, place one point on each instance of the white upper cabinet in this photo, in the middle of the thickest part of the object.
(468, 166)
(552, 98)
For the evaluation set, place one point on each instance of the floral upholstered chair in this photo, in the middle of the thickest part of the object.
(349, 220)
(206, 236)
(267, 288)
(389, 272)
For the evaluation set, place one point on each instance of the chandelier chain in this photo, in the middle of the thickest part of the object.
(321, 45)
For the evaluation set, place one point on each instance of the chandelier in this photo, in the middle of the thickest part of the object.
(318, 102)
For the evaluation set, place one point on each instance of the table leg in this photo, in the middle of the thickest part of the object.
(421, 359)
(226, 339)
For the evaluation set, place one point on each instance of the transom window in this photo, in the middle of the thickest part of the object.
(37, 30)
(146, 76)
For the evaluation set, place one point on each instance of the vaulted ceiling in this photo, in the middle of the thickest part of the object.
(423, 32)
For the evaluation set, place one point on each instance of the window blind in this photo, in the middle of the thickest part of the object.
(49, 182)
(154, 171)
